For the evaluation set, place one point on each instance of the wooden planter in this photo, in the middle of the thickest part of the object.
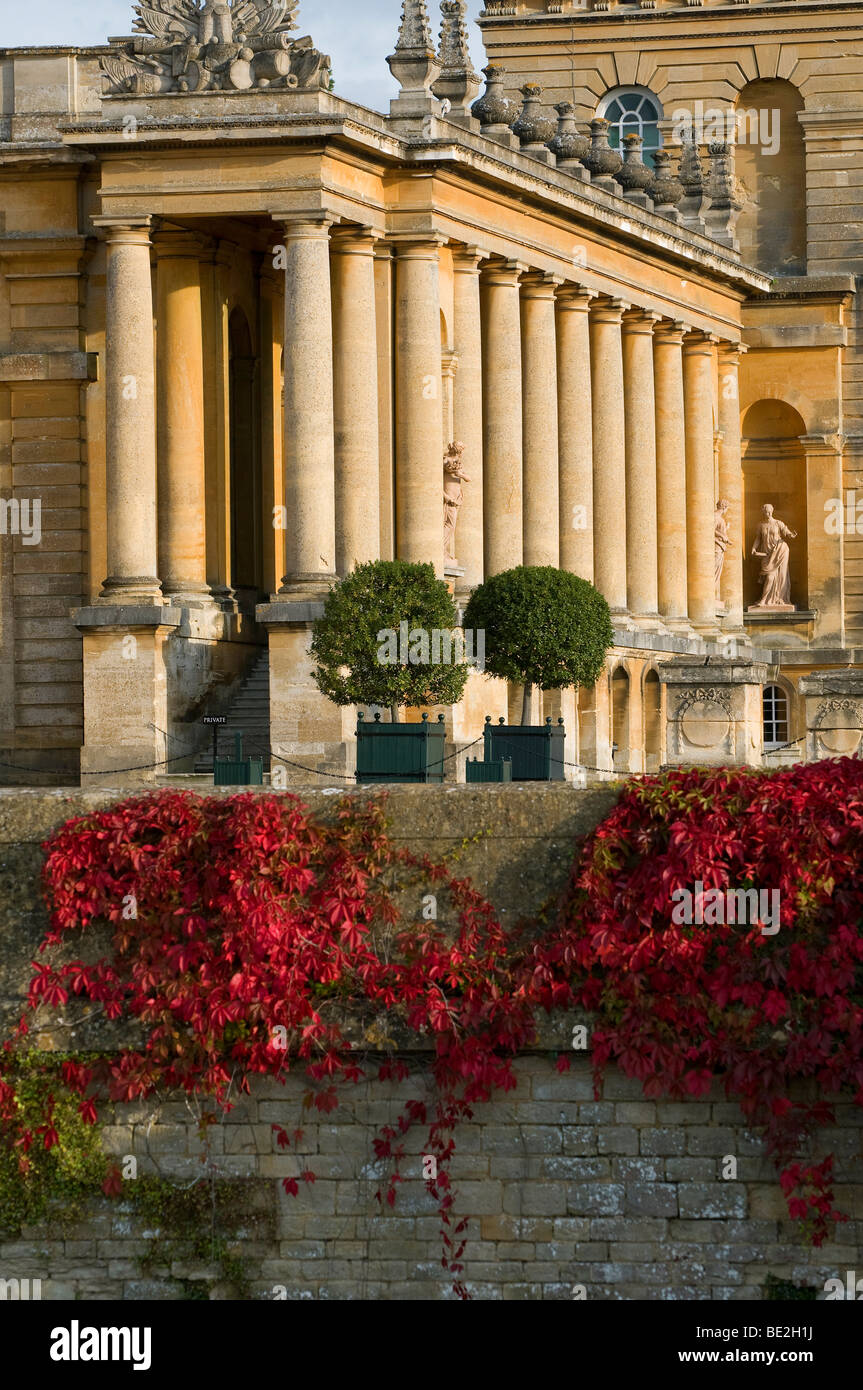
(537, 751)
(400, 752)
(488, 771)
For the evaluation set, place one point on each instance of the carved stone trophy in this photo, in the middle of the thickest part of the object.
(771, 547)
(453, 496)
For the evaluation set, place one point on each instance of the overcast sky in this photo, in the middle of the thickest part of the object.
(358, 34)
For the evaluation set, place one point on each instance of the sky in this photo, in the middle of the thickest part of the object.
(357, 34)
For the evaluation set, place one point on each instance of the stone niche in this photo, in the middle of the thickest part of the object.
(714, 711)
(834, 713)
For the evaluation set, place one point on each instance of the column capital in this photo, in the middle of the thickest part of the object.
(467, 259)
(608, 309)
(449, 364)
(417, 246)
(538, 284)
(133, 231)
(637, 320)
(670, 332)
(503, 272)
(731, 351)
(353, 240)
(571, 295)
(300, 225)
(699, 344)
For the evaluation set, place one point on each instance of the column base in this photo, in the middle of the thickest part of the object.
(305, 586)
(134, 590)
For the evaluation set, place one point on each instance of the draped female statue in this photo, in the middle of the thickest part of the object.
(771, 547)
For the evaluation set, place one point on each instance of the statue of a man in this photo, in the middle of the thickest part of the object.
(771, 548)
(721, 541)
(453, 496)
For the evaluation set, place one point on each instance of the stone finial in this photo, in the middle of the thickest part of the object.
(692, 178)
(493, 109)
(458, 82)
(602, 161)
(634, 176)
(414, 65)
(531, 126)
(724, 210)
(415, 31)
(568, 145)
(665, 190)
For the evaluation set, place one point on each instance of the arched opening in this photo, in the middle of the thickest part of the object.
(633, 111)
(774, 471)
(246, 481)
(652, 704)
(770, 166)
(620, 719)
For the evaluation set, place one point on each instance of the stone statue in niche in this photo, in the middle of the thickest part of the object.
(771, 547)
(453, 496)
(721, 542)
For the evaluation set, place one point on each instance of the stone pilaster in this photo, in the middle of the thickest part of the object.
(539, 396)
(355, 386)
(698, 358)
(180, 391)
(309, 453)
(671, 474)
(130, 416)
(714, 713)
(640, 428)
(502, 424)
(731, 484)
(609, 451)
(467, 409)
(419, 433)
(575, 430)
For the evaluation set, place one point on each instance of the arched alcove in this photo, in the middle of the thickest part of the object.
(770, 166)
(620, 717)
(774, 470)
(652, 706)
(587, 726)
(245, 463)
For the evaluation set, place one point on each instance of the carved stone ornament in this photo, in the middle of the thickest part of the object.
(634, 176)
(188, 46)
(493, 108)
(839, 726)
(602, 160)
(532, 126)
(665, 190)
(704, 716)
(568, 143)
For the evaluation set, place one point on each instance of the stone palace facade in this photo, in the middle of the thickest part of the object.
(241, 319)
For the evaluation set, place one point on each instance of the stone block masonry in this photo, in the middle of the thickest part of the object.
(565, 1197)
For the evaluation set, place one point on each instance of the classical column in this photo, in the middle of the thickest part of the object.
(215, 274)
(355, 379)
(671, 473)
(609, 452)
(273, 480)
(502, 416)
(575, 430)
(731, 482)
(384, 297)
(180, 416)
(130, 442)
(419, 433)
(698, 358)
(309, 452)
(640, 429)
(467, 409)
(540, 442)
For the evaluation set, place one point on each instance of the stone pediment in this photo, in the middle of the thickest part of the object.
(185, 46)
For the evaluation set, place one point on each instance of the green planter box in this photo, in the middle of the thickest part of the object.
(238, 771)
(537, 751)
(489, 772)
(400, 752)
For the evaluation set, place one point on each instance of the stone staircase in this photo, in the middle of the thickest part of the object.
(250, 713)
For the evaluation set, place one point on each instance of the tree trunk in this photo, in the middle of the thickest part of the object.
(394, 714)
(525, 703)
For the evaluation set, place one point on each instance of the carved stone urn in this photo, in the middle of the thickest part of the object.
(665, 188)
(602, 160)
(493, 108)
(532, 126)
(634, 175)
(567, 144)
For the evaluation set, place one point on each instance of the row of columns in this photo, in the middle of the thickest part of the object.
(588, 423)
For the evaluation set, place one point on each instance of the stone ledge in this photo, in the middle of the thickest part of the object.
(274, 614)
(126, 617)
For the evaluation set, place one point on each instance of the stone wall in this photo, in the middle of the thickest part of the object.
(615, 1198)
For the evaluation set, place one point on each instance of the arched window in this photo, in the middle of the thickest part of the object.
(633, 111)
(775, 720)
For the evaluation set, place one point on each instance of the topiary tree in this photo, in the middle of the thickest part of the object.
(386, 638)
(543, 626)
